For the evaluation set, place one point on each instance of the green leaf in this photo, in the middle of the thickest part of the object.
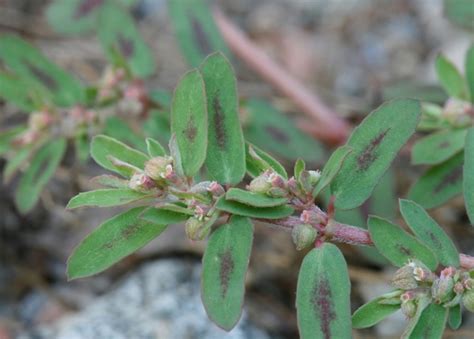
(372, 313)
(7, 136)
(154, 148)
(81, 146)
(74, 17)
(257, 162)
(332, 167)
(468, 175)
(189, 121)
(470, 71)
(460, 12)
(161, 97)
(237, 208)
(431, 323)
(178, 208)
(226, 149)
(119, 35)
(39, 172)
(106, 198)
(429, 233)
(422, 303)
(108, 180)
(158, 126)
(274, 132)
(323, 295)
(375, 143)
(439, 183)
(224, 266)
(26, 95)
(438, 147)
(450, 78)
(104, 147)
(195, 29)
(118, 129)
(455, 317)
(419, 91)
(14, 163)
(27, 62)
(253, 199)
(398, 246)
(163, 216)
(113, 240)
(300, 166)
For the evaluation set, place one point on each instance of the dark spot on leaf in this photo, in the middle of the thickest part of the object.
(322, 305)
(277, 134)
(404, 250)
(449, 179)
(85, 7)
(368, 156)
(130, 230)
(191, 130)
(42, 76)
(219, 122)
(126, 46)
(444, 144)
(200, 36)
(435, 240)
(227, 266)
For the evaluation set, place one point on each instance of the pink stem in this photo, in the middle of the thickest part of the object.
(327, 125)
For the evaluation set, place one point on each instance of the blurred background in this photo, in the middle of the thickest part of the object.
(353, 54)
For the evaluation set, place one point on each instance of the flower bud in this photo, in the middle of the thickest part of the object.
(277, 192)
(39, 120)
(313, 217)
(468, 300)
(303, 236)
(158, 168)
(469, 284)
(195, 229)
(404, 278)
(140, 182)
(314, 177)
(216, 189)
(408, 308)
(442, 289)
(260, 184)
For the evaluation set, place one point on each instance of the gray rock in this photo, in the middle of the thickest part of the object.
(160, 300)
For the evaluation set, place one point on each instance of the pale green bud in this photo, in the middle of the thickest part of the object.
(260, 184)
(468, 300)
(158, 168)
(195, 229)
(303, 236)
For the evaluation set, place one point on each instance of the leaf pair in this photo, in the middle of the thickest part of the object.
(430, 246)
(205, 122)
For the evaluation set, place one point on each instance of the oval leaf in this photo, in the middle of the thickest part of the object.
(273, 131)
(163, 216)
(375, 143)
(113, 240)
(189, 121)
(106, 198)
(74, 17)
(468, 175)
(455, 317)
(253, 199)
(439, 183)
(450, 78)
(429, 233)
(438, 147)
(226, 149)
(119, 36)
(431, 323)
(398, 246)
(470, 71)
(154, 148)
(234, 207)
(323, 295)
(224, 266)
(372, 313)
(104, 147)
(195, 29)
(29, 63)
(39, 172)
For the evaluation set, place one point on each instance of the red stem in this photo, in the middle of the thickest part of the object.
(327, 124)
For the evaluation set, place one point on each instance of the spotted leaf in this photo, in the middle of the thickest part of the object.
(189, 121)
(375, 143)
(429, 233)
(224, 266)
(113, 240)
(323, 295)
(439, 184)
(398, 246)
(225, 160)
